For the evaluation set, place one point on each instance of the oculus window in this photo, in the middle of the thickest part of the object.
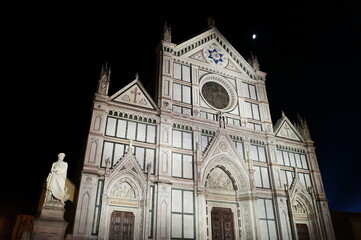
(218, 93)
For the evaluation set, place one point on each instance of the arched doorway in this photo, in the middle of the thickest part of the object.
(304, 218)
(123, 208)
(222, 204)
(224, 187)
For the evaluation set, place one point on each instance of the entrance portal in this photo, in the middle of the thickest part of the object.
(121, 226)
(302, 231)
(222, 224)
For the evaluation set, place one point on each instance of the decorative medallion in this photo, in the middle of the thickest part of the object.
(166, 104)
(214, 55)
(129, 165)
(223, 146)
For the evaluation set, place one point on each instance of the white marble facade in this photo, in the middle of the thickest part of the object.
(203, 159)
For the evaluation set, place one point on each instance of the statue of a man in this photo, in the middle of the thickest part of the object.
(55, 183)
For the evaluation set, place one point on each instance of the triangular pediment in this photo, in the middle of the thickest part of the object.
(296, 186)
(221, 153)
(222, 144)
(300, 196)
(125, 182)
(134, 94)
(285, 129)
(212, 48)
(127, 163)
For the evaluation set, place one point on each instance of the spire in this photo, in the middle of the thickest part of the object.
(211, 22)
(104, 79)
(254, 62)
(303, 127)
(167, 32)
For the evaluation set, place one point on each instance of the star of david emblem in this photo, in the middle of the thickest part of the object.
(215, 55)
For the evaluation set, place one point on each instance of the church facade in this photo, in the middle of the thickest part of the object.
(201, 161)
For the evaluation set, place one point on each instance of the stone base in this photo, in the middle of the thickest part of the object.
(50, 225)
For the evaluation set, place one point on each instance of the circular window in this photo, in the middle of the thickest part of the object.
(215, 95)
(218, 92)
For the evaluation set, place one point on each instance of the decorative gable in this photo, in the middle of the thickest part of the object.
(212, 48)
(222, 144)
(296, 186)
(223, 166)
(216, 56)
(134, 94)
(127, 163)
(285, 129)
(125, 184)
(300, 197)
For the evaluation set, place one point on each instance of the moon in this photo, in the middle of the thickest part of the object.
(254, 36)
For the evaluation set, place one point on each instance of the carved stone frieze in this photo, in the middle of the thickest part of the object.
(297, 207)
(218, 179)
(122, 190)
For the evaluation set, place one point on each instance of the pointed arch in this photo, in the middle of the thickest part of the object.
(286, 233)
(165, 135)
(163, 223)
(220, 178)
(84, 212)
(93, 150)
(97, 123)
(303, 211)
(234, 170)
(127, 168)
(125, 189)
(165, 162)
(132, 179)
(301, 203)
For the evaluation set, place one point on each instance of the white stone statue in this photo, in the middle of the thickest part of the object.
(55, 183)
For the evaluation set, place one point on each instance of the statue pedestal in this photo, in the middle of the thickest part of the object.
(50, 225)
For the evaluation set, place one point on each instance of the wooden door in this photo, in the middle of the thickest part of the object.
(222, 224)
(302, 232)
(121, 226)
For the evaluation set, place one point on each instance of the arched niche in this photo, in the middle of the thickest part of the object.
(233, 170)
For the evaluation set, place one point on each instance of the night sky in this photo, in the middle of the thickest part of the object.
(52, 53)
